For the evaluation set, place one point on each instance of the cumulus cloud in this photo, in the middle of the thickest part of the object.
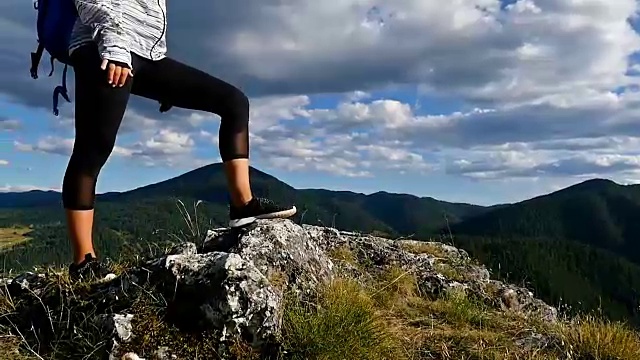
(482, 144)
(164, 148)
(47, 145)
(7, 124)
(583, 166)
(4, 162)
(164, 142)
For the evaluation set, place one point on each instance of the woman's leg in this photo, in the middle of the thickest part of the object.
(176, 84)
(99, 111)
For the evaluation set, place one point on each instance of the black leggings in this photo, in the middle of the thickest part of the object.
(101, 107)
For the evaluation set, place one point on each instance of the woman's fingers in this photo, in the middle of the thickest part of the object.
(117, 72)
(116, 75)
(123, 77)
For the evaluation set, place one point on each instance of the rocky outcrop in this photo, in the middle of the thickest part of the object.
(438, 267)
(235, 282)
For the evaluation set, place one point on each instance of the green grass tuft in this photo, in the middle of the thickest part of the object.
(343, 323)
(594, 338)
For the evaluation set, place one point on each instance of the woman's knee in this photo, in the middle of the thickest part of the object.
(236, 107)
(91, 159)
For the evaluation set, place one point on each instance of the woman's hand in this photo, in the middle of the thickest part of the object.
(117, 72)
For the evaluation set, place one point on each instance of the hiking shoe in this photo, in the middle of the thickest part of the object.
(89, 269)
(258, 208)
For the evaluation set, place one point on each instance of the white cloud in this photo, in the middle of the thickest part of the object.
(361, 139)
(7, 124)
(474, 49)
(165, 147)
(386, 134)
(536, 161)
(48, 144)
(164, 142)
(357, 95)
(4, 162)
(308, 138)
(535, 87)
(267, 112)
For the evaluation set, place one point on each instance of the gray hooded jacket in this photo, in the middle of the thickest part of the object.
(122, 27)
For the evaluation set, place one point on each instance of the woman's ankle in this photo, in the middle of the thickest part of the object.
(241, 201)
(237, 173)
(80, 230)
(81, 256)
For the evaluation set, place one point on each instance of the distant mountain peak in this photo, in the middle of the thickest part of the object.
(594, 184)
(599, 181)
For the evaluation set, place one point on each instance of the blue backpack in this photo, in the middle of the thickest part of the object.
(56, 19)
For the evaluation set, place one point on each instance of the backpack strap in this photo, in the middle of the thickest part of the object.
(37, 55)
(52, 68)
(60, 90)
(35, 60)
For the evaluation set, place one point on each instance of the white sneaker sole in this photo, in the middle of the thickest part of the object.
(277, 215)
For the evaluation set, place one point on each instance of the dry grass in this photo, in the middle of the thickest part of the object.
(277, 279)
(10, 349)
(450, 272)
(416, 247)
(343, 253)
(12, 236)
(152, 332)
(389, 318)
(594, 338)
(452, 327)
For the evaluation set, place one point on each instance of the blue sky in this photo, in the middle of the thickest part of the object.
(478, 101)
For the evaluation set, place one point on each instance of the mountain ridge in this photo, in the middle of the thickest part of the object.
(256, 171)
(390, 213)
(48, 196)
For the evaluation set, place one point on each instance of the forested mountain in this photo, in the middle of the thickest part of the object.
(597, 212)
(28, 199)
(564, 273)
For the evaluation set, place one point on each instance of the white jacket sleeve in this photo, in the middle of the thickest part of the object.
(105, 19)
